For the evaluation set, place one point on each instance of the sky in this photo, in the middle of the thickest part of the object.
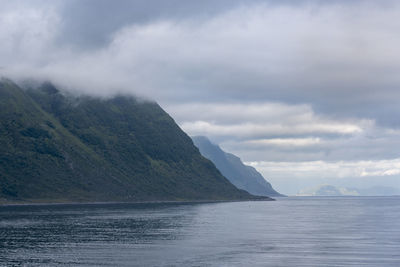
(307, 92)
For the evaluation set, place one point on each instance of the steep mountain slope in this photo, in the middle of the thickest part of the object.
(59, 148)
(242, 176)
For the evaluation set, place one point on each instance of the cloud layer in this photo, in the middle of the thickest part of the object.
(341, 58)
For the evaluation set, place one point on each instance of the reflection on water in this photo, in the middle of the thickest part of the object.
(287, 232)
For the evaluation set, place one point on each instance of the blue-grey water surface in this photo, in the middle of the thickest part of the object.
(287, 232)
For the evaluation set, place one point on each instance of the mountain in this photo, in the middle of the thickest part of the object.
(242, 176)
(60, 148)
(330, 190)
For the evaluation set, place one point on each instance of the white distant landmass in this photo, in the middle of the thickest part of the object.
(330, 190)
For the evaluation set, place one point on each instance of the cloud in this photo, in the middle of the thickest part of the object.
(340, 58)
(338, 169)
(278, 131)
(284, 142)
(262, 120)
(386, 172)
(100, 21)
(25, 34)
(267, 129)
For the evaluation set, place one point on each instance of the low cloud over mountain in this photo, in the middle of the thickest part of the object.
(272, 81)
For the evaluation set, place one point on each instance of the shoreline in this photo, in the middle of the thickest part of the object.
(65, 202)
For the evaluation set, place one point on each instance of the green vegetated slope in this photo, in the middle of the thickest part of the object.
(59, 148)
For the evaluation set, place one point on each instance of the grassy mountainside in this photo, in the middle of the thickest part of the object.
(242, 176)
(59, 148)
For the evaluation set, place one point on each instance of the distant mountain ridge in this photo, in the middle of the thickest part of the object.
(59, 148)
(242, 176)
(330, 190)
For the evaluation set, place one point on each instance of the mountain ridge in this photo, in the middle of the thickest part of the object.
(330, 190)
(242, 176)
(59, 148)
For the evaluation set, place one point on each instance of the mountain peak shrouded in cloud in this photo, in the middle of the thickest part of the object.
(54, 148)
(309, 85)
(334, 56)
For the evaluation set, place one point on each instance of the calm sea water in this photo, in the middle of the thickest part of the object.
(287, 232)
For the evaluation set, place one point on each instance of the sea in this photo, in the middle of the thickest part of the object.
(292, 231)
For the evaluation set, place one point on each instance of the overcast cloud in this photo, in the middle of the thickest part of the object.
(282, 84)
